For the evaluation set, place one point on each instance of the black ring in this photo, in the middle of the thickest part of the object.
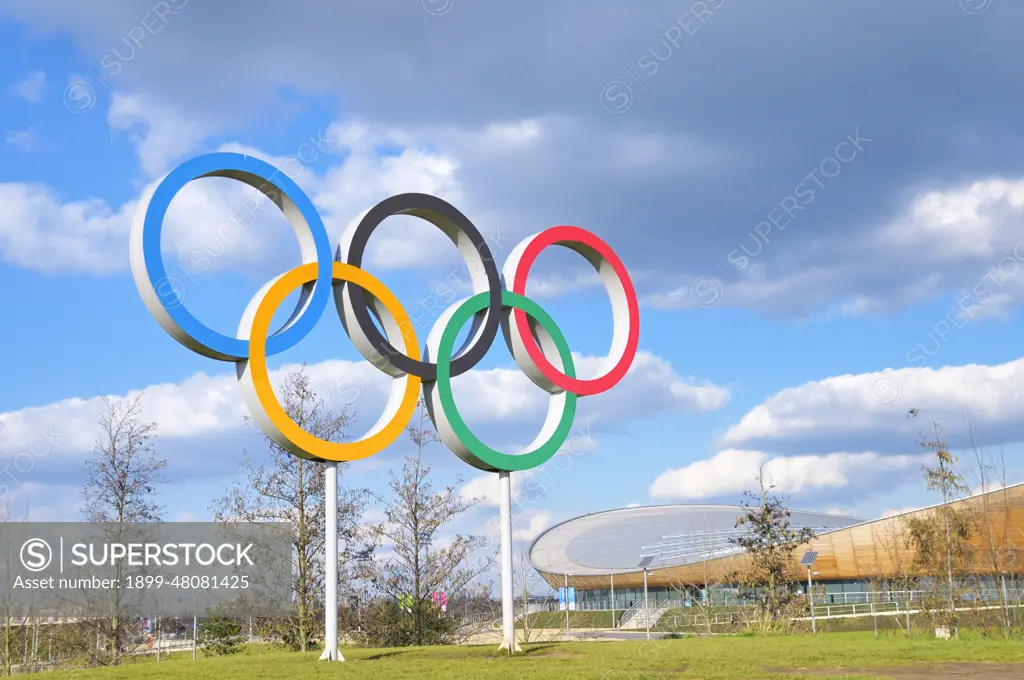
(446, 217)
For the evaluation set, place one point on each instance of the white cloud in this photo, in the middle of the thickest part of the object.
(34, 502)
(731, 472)
(555, 285)
(209, 225)
(534, 144)
(892, 512)
(161, 136)
(205, 404)
(650, 386)
(534, 525)
(26, 139)
(39, 231)
(366, 177)
(32, 87)
(962, 241)
(870, 410)
(483, 488)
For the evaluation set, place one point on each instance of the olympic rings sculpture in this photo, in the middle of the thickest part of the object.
(535, 342)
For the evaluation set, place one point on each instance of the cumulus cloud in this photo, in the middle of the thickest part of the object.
(852, 435)
(208, 404)
(160, 133)
(531, 527)
(690, 173)
(731, 472)
(961, 241)
(869, 411)
(35, 502)
(31, 87)
(39, 230)
(484, 490)
(217, 224)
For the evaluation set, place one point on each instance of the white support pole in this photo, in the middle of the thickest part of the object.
(1006, 605)
(331, 651)
(647, 609)
(810, 596)
(612, 577)
(567, 607)
(508, 623)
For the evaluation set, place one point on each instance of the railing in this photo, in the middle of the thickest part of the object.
(639, 616)
(627, 616)
(881, 597)
(820, 599)
(716, 619)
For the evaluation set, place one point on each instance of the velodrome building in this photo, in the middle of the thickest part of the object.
(689, 547)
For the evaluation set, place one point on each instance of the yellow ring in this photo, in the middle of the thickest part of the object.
(314, 446)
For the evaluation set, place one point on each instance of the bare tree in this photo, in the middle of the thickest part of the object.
(527, 580)
(710, 577)
(414, 513)
(999, 552)
(122, 475)
(12, 606)
(121, 478)
(282, 487)
(902, 576)
(942, 538)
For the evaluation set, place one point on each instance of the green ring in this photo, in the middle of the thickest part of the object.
(487, 455)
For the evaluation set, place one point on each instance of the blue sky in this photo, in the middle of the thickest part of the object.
(823, 228)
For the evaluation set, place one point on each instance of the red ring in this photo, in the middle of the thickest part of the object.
(562, 236)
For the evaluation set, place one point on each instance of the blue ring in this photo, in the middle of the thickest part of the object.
(213, 163)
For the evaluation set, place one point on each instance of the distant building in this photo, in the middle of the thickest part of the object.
(690, 548)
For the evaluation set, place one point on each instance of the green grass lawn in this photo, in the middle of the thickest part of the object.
(699, 658)
(588, 619)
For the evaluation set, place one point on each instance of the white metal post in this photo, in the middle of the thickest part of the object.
(647, 609)
(612, 576)
(331, 651)
(567, 606)
(810, 596)
(195, 628)
(508, 622)
(1006, 603)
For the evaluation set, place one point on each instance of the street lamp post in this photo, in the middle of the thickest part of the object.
(647, 609)
(808, 561)
(644, 563)
(612, 577)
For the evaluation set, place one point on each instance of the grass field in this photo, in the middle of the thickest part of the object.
(835, 655)
(556, 620)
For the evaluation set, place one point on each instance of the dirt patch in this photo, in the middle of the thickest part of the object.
(939, 671)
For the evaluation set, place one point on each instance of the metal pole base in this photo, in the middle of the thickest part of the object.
(332, 655)
(504, 648)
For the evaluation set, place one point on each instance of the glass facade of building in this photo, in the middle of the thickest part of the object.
(826, 593)
(832, 592)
